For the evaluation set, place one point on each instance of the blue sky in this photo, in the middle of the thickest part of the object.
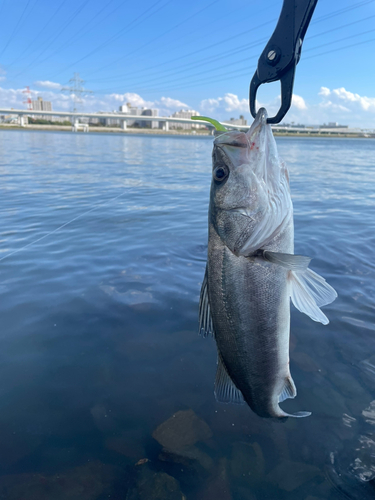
(198, 54)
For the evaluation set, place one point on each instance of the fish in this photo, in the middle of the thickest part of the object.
(252, 273)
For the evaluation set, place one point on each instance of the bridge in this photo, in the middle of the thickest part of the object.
(124, 118)
(166, 120)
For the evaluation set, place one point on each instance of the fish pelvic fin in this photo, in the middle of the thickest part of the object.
(289, 390)
(225, 389)
(309, 291)
(206, 326)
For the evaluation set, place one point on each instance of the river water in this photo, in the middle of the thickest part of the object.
(98, 335)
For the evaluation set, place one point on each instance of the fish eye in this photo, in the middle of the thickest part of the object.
(221, 173)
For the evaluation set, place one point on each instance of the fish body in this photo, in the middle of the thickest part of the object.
(252, 272)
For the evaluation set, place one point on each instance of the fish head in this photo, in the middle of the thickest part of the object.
(250, 198)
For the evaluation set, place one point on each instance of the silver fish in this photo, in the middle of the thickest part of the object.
(252, 272)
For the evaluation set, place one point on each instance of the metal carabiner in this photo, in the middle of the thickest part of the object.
(282, 53)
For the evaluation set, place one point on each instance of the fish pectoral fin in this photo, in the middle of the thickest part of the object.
(309, 292)
(287, 260)
(225, 389)
(289, 390)
(206, 326)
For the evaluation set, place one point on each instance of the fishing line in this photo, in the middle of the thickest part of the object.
(60, 227)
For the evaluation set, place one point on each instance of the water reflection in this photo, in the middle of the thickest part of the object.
(99, 346)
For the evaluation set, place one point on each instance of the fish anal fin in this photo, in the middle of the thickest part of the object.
(289, 390)
(225, 389)
(206, 326)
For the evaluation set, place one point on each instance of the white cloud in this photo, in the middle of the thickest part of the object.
(168, 102)
(329, 105)
(298, 102)
(366, 103)
(48, 85)
(90, 103)
(132, 98)
(229, 103)
(324, 91)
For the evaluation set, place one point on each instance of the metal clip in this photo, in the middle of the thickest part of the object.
(282, 53)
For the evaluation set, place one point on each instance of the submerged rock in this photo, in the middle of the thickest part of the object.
(128, 443)
(217, 487)
(247, 462)
(85, 482)
(150, 485)
(289, 476)
(190, 457)
(182, 430)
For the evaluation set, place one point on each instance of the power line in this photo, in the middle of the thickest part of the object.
(342, 26)
(319, 19)
(70, 20)
(40, 32)
(340, 48)
(200, 50)
(322, 18)
(209, 60)
(214, 78)
(212, 71)
(16, 27)
(119, 33)
(203, 35)
(81, 34)
(204, 62)
(341, 11)
(161, 35)
(340, 40)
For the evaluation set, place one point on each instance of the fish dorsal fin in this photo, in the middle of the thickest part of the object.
(206, 326)
(289, 390)
(309, 291)
(225, 389)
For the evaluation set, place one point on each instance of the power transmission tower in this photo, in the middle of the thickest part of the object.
(77, 90)
(28, 101)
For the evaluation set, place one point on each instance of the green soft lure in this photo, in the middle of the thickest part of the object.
(215, 123)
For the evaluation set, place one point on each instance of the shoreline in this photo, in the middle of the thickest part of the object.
(200, 133)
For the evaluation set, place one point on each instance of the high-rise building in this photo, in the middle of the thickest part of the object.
(128, 109)
(149, 112)
(40, 105)
(237, 121)
(185, 113)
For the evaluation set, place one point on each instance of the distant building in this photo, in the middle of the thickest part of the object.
(40, 105)
(188, 113)
(149, 124)
(237, 121)
(333, 125)
(128, 109)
